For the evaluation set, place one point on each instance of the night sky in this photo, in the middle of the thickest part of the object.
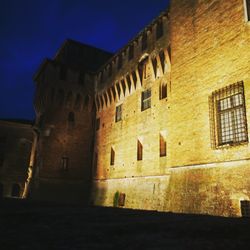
(31, 30)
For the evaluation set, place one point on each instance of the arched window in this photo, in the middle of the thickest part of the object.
(60, 97)
(71, 119)
(78, 102)
(15, 192)
(1, 190)
(69, 100)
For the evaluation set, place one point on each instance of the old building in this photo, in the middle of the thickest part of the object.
(169, 124)
(16, 137)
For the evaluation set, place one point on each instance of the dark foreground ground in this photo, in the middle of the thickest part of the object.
(33, 226)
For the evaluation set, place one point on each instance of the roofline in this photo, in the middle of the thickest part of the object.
(163, 13)
(16, 123)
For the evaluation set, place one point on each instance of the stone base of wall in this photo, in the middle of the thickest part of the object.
(214, 189)
(68, 192)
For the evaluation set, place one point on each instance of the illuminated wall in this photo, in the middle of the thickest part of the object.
(209, 51)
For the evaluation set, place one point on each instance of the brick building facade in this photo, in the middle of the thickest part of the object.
(162, 124)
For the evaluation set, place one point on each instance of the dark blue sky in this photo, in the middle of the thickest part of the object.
(31, 30)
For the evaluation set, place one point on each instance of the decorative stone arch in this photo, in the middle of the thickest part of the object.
(15, 190)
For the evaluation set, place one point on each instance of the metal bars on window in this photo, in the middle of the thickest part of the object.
(228, 116)
(146, 99)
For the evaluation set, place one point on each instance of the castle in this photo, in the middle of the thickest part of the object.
(160, 125)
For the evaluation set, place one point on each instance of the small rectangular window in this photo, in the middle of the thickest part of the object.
(112, 157)
(163, 146)
(121, 201)
(65, 164)
(139, 151)
(163, 91)
(97, 125)
(146, 99)
(245, 208)
(131, 52)
(247, 10)
(118, 113)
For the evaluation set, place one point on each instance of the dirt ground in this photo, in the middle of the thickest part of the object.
(27, 225)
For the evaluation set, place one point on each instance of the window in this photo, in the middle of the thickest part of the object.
(146, 99)
(112, 157)
(247, 10)
(144, 41)
(228, 114)
(139, 151)
(97, 125)
(118, 113)
(159, 29)
(121, 200)
(131, 52)
(163, 146)
(65, 164)
(162, 59)
(245, 208)
(163, 91)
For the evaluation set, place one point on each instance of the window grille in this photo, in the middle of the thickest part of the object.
(118, 113)
(228, 115)
(146, 99)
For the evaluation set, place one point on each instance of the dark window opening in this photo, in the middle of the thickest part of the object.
(142, 69)
(139, 151)
(131, 52)
(112, 157)
(228, 114)
(118, 113)
(123, 86)
(63, 72)
(163, 146)
(15, 191)
(146, 99)
(163, 91)
(245, 208)
(159, 29)
(144, 41)
(65, 164)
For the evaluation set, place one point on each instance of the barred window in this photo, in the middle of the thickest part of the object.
(146, 99)
(227, 109)
(118, 113)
